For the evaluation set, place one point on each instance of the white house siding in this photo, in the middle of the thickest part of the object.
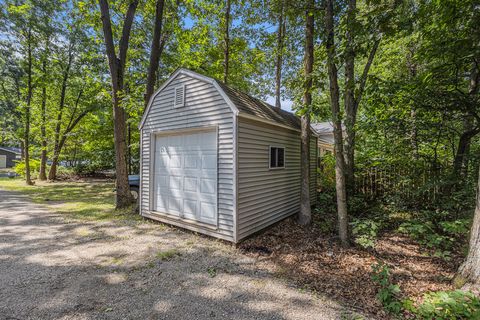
(265, 195)
(204, 107)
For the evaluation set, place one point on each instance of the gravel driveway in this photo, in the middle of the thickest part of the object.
(53, 268)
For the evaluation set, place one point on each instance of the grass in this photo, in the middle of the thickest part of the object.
(93, 201)
(167, 255)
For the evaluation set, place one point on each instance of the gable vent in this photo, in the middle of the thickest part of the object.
(179, 96)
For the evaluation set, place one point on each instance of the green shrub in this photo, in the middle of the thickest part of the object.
(88, 169)
(441, 236)
(326, 175)
(34, 167)
(65, 172)
(388, 294)
(448, 305)
(365, 232)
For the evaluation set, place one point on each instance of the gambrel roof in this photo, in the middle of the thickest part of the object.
(239, 101)
(256, 107)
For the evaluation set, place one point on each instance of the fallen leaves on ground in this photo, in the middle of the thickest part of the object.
(319, 263)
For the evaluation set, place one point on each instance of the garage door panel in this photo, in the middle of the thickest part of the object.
(175, 182)
(175, 161)
(161, 201)
(208, 186)
(190, 184)
(3, 161)
(175, 204)
(186, 176)
(191, 162)
(190, 207)
(207, 210)
(209, 162)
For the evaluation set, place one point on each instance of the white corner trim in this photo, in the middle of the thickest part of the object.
(235, 178)
(140, 191)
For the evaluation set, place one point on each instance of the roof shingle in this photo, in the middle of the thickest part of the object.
(256, 107)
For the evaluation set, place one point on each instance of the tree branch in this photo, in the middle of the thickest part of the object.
(127, 26)
(366, 70)
(108, 35)
(158, 43)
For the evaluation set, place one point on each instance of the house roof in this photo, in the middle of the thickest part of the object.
(324, 127)
(239, 102)
(11, 149)
(256, 107)
(324, 131)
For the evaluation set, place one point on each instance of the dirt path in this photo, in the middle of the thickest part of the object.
(52, 268)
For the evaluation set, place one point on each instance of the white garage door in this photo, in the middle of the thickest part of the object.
(3, 161)
(185, 182)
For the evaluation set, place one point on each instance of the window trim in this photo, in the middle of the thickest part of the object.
(175, 105)
(270, 157)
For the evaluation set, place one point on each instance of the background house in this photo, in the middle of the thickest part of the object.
(8, 155)
(326, 141)
(218, 161)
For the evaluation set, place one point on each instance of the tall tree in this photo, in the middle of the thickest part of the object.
(42, 175)
(158, 43)
(469, 271)
(337, 125)
(279, 58)
(305, 215)
(57, 148)
(226, 41)
(117, 73)
(353, 92)
(28, 102)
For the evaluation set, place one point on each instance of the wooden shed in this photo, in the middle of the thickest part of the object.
(218, 161)
(8, 156)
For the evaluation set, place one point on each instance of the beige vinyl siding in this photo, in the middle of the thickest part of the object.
(204, 107)
(265, 195)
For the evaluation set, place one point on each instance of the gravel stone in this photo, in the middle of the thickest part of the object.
(54, 268)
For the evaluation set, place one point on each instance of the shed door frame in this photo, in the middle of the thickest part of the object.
(183, 131)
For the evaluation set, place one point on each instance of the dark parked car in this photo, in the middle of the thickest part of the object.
(134, 182)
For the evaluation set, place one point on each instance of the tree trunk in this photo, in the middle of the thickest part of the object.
(337, 127)
(279, 60)
(52, 174)
(305, 214)
(226, 39)
(460, 163)
(349, 96)
(28, 179)
(42, 175)
(156, 50)
(351, 110)
(412, 70)
(129, 144)
(117, 69)
(56, 155)
(469, 271)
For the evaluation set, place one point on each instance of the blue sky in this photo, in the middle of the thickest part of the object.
(286, 104)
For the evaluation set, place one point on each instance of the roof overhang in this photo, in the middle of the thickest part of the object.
(11, 151)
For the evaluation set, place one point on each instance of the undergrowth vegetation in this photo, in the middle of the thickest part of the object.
(440, 305)
(435, 211)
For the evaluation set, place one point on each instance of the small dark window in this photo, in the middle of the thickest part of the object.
(277, 157)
